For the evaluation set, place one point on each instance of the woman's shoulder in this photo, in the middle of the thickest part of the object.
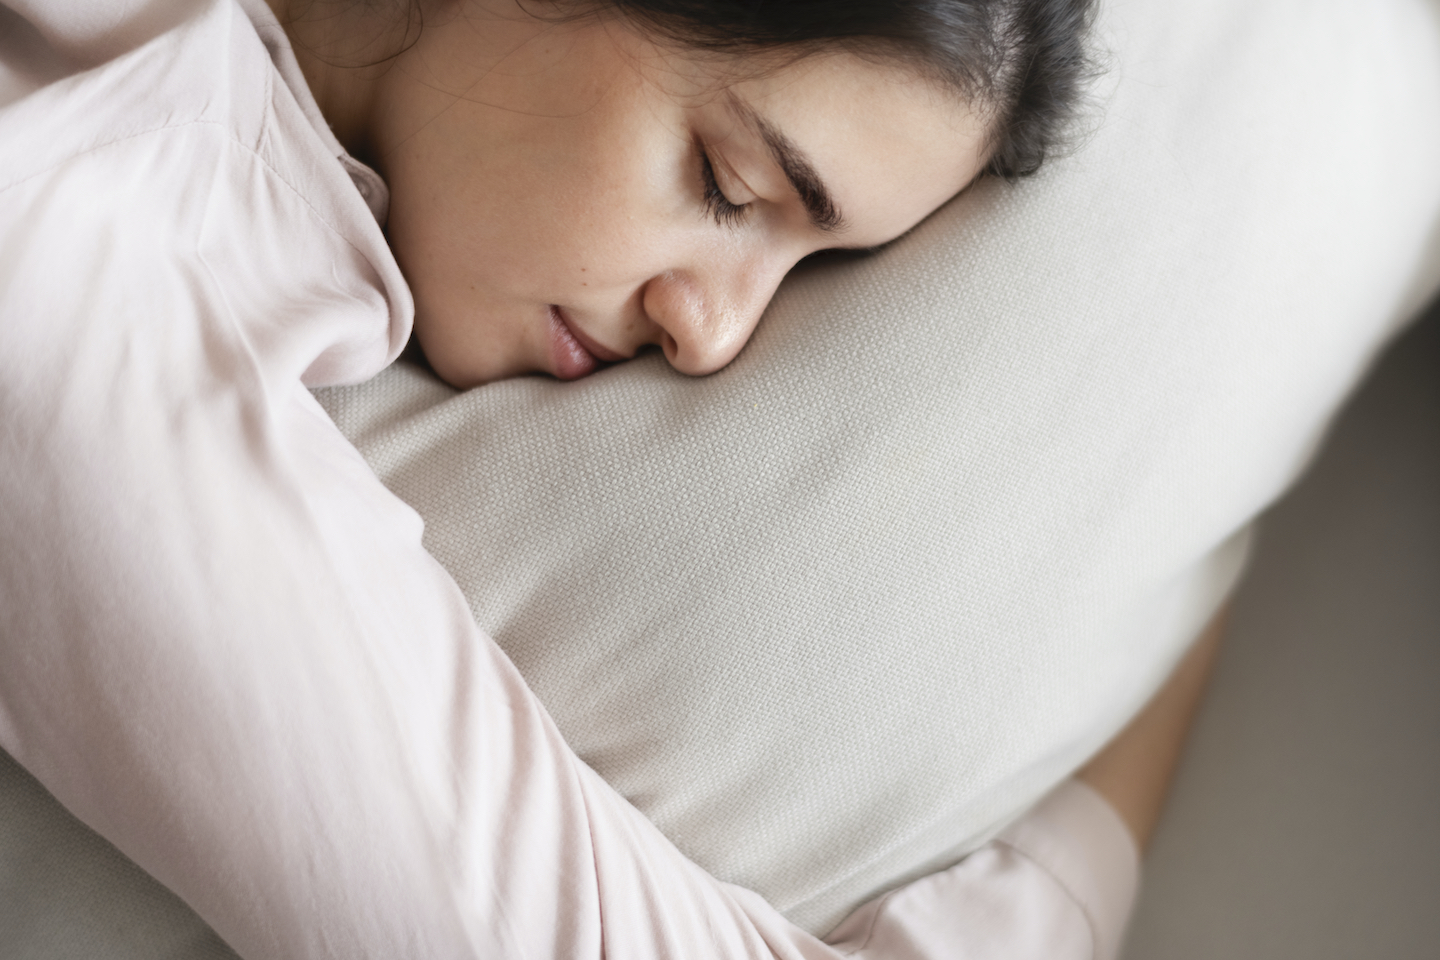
(192, 153)
(199, 68)
(78, 80)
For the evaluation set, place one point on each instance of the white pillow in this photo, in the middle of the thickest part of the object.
(833, 616)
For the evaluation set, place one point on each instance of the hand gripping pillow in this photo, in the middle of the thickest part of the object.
(835, 614)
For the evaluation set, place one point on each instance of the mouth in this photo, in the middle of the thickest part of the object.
(572, 353)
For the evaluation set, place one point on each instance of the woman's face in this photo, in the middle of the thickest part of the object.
(564, 195)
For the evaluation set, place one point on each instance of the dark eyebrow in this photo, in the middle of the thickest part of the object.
(798, 169)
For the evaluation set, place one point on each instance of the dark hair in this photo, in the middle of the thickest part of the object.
(1023, 61)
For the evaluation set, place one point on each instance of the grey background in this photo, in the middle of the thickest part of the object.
(1305, 821)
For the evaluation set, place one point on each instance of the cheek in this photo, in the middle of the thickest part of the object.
(540, 212)
(498, 209)
(454, 227)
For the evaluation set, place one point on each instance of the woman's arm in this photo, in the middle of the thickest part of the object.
(1134, 771)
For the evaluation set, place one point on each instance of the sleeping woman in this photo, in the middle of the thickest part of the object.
(226, 649)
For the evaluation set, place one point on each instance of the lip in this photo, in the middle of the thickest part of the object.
(573, 353)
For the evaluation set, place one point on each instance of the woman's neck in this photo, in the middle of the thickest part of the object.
(343, 49)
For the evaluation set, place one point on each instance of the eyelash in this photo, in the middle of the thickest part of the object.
(717, 205)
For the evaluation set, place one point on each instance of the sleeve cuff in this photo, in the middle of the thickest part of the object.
(1079, 839)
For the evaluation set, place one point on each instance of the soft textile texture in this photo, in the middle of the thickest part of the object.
(223, 646)
(836, 614)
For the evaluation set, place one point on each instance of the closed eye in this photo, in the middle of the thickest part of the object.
(718, 205)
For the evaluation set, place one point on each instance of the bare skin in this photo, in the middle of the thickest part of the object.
(1135, 770)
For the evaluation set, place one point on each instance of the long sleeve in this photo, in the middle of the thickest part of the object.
(1060, 882)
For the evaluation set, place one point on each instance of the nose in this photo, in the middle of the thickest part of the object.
(705, 315)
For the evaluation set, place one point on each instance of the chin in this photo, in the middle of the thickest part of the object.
(457, 372)
(463, 362)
